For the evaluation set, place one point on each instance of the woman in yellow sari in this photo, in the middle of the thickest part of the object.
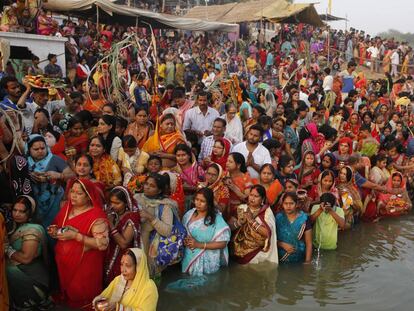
(386, 62)
(164, 140)
(133, 290)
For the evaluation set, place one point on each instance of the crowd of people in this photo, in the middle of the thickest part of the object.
(216, 151)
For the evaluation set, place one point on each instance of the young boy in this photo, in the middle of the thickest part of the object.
(327, 218)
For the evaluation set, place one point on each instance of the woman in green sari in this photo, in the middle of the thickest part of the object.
(26, 270)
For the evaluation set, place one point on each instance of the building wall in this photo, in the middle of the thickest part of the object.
(40, 46)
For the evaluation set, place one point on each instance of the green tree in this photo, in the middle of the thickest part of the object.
(398, 36)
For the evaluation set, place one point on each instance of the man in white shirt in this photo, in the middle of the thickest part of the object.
(253, 151)
(199, 119)
(40, 100)
(395, 61)
(374, 51)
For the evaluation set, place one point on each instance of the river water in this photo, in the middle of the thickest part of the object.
(372, 269)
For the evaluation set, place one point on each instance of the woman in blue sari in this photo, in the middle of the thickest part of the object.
(48, 173)
(208, 235)
(294, 232)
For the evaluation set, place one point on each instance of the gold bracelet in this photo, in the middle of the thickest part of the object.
(205, 245)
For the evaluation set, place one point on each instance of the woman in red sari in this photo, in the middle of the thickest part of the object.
(76, 137)
(220, 152)
(238, 181)
(124, 222)
(81, 230)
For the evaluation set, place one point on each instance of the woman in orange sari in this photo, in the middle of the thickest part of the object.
(214, 181)
(272, 185)
(94, 103)
(164, 140)
(141, 128)
(238, 181)
(81, 228)
(105, 168)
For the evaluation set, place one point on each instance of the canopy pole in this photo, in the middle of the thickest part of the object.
(97, 18)
(329, 38)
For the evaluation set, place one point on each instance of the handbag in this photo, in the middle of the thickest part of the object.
(170, 248)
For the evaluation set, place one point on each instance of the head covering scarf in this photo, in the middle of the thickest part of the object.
(90, 189)
(41, 165)
(333, 161)
(31, 200)
(333, 189)
(316, 140)
(166, 142)
(131, 203)
(143, 292)
(222, 160)
(349, 187)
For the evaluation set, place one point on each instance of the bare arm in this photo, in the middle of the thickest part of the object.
(308, 242)
(27, 253)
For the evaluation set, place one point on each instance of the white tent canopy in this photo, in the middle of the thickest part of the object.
(111, 12)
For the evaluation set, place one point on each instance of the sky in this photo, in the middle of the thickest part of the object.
(373, 16)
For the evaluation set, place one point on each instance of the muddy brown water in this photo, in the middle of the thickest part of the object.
(372, 269)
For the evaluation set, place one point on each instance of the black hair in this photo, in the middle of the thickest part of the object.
(261, 191)
(109, 120)
(185, 148)
(257, 127)
(44, 111)
(27, 204)
(313, 97)
(84, 116)
(291, 117)
(129, 141)
(284, 160)
(221, 120)
(264, 120)
(270, 166)
(132, 255)
(101, 141)
(291, 195)
(378, 158)
(365, 127)
(50, 56)
(160, 180)
(348, 173)
(178, 93)
(260, 109)
(352, 93)
(328, 197)
(208, 194)
(73, 121)
(87, 156)
(326, 173)
(271, 144)
(155, 157)
(302, 106)
(7, 79)
(240, 160)
(121, 122)
(120, 195)
(110, 105)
